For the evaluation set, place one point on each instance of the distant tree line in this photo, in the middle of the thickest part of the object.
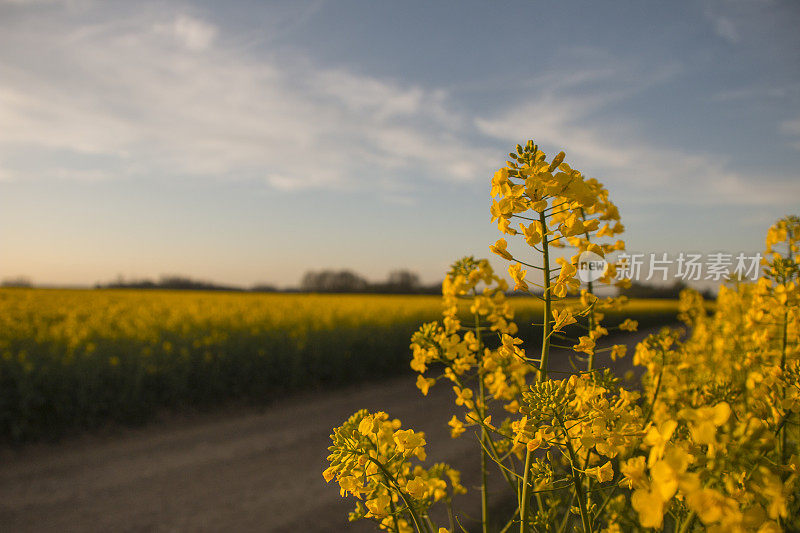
(332, 281)
(399, 281)
(643, 290)
(19, 281)
(175, 282)
(343, 281)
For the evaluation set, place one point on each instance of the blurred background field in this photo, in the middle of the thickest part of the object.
(76, 359)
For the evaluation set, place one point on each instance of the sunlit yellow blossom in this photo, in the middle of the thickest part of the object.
(407, 440)
(417, 488)
(634, 474)
(585, 344)
(463, 396)
(602, 473)
(425, 384)
(500, 249)
(657, 438)
(705, 420)
(559, 290)
(532, 233)
(709, 505)
(457, 427)
(618, 351)
(500, 182)
(518, 275)
(562, 318)
(649, 506)
(379, 506)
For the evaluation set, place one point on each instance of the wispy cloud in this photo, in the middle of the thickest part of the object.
(758, 91)
(723, 26)
(730, 20)
(619, 149)
(192, 33)
(792, 129)
(166, 95)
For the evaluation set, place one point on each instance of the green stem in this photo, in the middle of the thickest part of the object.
(783, 443)
(524, 499)
(605, 501)
(524, 502)
(414, 517)
(451, 516)
(484, 436)
(510, 522)
(548, 298)
(567, 515)
(507, 472)
(689, 521)
(394, 515)
(590, 362)
(655, 395)
(576, 480)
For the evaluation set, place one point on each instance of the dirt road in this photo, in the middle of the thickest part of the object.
(248, 470)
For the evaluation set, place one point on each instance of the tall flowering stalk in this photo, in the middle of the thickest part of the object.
(778, 292)
(557, 207)
(481, 374)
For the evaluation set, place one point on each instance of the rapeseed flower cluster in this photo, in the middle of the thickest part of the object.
(371, 460)
(709, 441)
(722, 451)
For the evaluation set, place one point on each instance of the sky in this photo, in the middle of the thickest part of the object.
(248, 142)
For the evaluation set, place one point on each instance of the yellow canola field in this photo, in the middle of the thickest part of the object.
(72, 359)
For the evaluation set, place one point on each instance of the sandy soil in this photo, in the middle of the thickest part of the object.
(242, 470)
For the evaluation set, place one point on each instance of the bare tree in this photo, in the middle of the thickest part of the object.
(333, 281)
(19, 281)
(403, 280)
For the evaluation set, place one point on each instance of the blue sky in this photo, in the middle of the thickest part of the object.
(251, 141)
